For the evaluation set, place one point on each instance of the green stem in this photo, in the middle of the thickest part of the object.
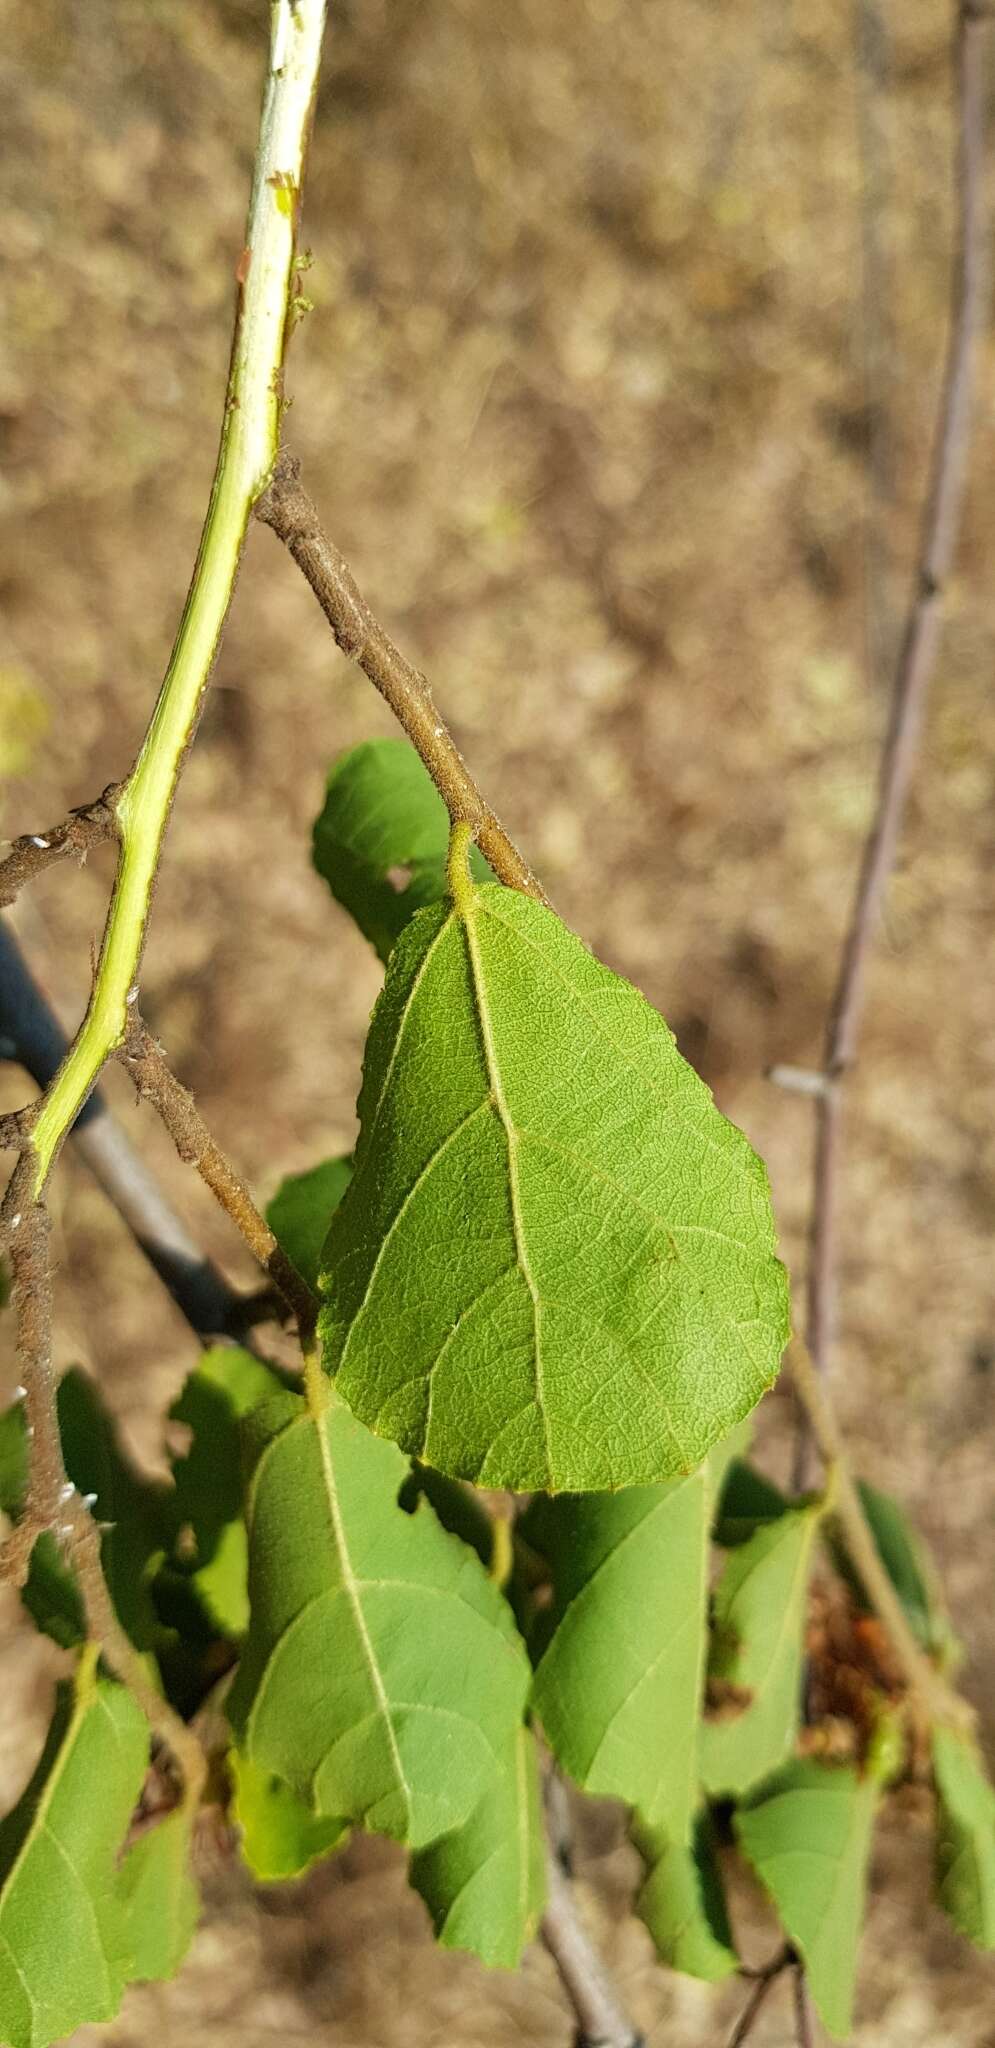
(249, 441)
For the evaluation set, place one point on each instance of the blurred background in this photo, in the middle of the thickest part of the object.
(617, 395)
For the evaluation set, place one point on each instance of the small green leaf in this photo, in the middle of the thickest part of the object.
(302, 1209)
(909, 1568)
(618, 1686)
(382, 1673)
(223, 1389)
(682, 1902)
(280, 1836)
(160, 1897)
(807, 1833)
(485, 1884)
(13, 1457)
(382, 837)
(554, 1267)
(748, 1501)
(63, 1947)
(756, 1656)
(965, 1837)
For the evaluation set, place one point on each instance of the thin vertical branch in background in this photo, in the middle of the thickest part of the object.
(872, 57)
(601, 2022)
(915, 664)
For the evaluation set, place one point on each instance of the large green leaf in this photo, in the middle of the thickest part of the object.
(755, 1665)
(280, 1837)
(63, 1937)
(160, 1897)
(682, 1904)
(485, 1884)
(965, 1837)
(554, 1268)
(807, 1833)
(618, 1687)
(382, 1674)
(302, 1209)
(380, 840)
(210, 1543)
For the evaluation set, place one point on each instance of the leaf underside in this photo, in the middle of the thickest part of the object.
(280, 1837)
(382, 1673)
(682, 1904)
(619, 1702)
(807, 1833)
(965, 1837)
(757, 1649)
(484, 1885)
(554, 1268)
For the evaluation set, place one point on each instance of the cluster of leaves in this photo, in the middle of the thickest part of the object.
(549, 1269)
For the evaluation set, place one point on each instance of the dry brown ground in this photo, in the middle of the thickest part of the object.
(584, 401)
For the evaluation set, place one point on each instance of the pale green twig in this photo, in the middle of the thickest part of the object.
(249, 439)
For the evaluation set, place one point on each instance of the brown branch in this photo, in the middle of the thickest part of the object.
(601, 2022)
(914, 670)
(81, 1540)
(804, 2025)
(30, 855)
(25, 1228)
(762, 1982)
(155, 1081)
(291, 513)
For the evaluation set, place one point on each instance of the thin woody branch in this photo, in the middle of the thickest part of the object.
(91, 825)
(601, 2021)
(915, 667)
(156, 1082)
(292, 514)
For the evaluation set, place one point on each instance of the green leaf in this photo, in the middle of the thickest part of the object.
(682, 1902)
(160, 1897)
(965, 1837)
(382, 1673)
(280, 1836)
(485, 1884)
(757, 1649)
(13, 1457)
(302, 1209)
(554, 1268)
(909, 1568)
(618, 1687)
(225, 1387)
(807, 1833)
(382, 837)
(63, 1950)
(748, 1500)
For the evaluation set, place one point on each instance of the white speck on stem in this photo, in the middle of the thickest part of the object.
(20, 1393)
(132, 995)
(89, 1500)
(15, 1220)
(37, 840)
(66, 1492)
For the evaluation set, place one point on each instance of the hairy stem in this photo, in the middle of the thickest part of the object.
(287, 508)
(915, 665)
(249, 439)
(158, 1084)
